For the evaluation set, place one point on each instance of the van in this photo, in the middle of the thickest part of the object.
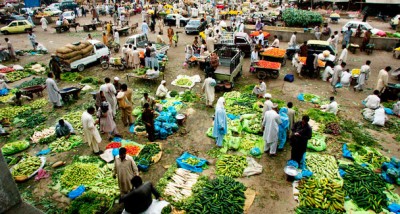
(68, 5)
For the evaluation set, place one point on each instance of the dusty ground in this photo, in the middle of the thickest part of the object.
(273, 192)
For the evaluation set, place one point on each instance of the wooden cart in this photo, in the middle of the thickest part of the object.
(263, 72)
(87, 27)
(37, 89)
(268, 57)
(144, 77)
(123, 31)
(70, 91)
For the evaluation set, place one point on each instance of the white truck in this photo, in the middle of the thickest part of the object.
(99, 51)
(140, 41)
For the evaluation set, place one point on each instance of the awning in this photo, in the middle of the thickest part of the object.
(383, 1)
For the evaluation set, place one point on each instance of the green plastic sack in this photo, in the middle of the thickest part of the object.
(136, 111)
(14, 147)
(233, 142)
(251, 126)
(235, 126)
(247, 116)
(317, 142)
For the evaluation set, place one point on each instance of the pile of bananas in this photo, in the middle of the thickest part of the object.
(322, 166)
(322, 194)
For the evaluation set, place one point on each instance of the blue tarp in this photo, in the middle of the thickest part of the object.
(196, 168)
(32, 3)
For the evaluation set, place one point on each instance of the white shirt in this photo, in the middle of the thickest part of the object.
(332, 107)
(293, 40)
(275, 43)
(254, 56)
(345, 78)
(372, 101)
(116, 37)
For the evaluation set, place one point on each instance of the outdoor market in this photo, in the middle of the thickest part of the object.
(200, 107)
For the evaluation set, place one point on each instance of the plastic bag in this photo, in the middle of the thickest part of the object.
(253, 168)
(387, 178)
(292, 163)
(43, 152)
(346, 152)
(317, 142)
(233, 142)
(76, 192)
(306, 173)
(300, 97)
(338, 85)
(41, 174)
(342, 173)
(388, 111)
(394, 208)
(196, 168)
(210, 132)
(379, 117)
(255, 152)
(132, 128)
(172, 110)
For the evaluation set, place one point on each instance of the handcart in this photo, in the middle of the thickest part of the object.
(37, 89)
(66, 93)
(264, 69)
(391, 92)
(274, 55)
(334, 18)
(312, 72)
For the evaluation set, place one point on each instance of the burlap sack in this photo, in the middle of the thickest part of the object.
(69, 55)
(63, 50)
(78, 57)
(73, 47)
(86, 50)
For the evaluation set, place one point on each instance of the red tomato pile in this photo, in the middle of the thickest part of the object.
(113, 145)
(268, 64)
(132, 150)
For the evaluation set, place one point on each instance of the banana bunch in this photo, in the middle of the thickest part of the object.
(322, 166)
(321, 193)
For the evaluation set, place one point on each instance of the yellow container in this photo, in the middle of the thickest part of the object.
(115, 61)
(355, 72)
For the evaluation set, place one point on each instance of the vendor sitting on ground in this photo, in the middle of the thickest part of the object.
(140, 198)
(152, 73)
(261, 89)
(332, 107)
(372, 101)
(162, 91)
(40, 48)
(4, 88)
(345, 78)
(59, 22)
(18, 99)
(64, 129)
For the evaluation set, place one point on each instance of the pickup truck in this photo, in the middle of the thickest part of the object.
(140, 41)
(241, 41)
(99, 50)
(230, 63)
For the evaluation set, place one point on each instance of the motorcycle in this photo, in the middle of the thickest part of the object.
(115, 62)
(382, 17)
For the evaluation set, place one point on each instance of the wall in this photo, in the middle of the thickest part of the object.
(284, 34)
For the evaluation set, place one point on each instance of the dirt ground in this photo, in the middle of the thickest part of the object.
(274, 193)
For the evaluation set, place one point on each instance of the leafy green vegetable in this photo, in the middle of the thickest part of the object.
(71, 76)
(320, 116)
(301, 18)
(32, 82)
(90, 203)
(14, 147)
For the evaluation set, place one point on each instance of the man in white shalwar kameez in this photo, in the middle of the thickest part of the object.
(343, 54)
(383, 79)
(90, 133)
(364, 72)
(162, 91)
(44, 23)
(261, 89)
(109, 93)
(53, 91)
(209, 89)
(210, 43)
(270, 126)
(337, 73)
(267, 104)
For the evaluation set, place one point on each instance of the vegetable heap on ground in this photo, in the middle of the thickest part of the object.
(17, 75)
(364, 187)
(11, 112)
(74, 118)
(321, 116)
(321, 194)
(36, 68)
(322, 166)
(26, 166)
(180, 184)
(184, 82)
(14, 147)
(63, 145)
(32, 82)
(221, 195)
(368, 155)
(231, 165)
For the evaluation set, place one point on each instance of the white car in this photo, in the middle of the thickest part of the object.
(99, 51)
(364, 27)
(69, 15)
(51, 11)
(395, 21)
(54, 5)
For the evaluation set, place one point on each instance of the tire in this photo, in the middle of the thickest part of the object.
(105, 65)
(5, 32)
(80, 67)
(261, 74)
(187, 33)
(121, 67)
(274, 74)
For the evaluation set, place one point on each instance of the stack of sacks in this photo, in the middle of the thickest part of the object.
(72, 52)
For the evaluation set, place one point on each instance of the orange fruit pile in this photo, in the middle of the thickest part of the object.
(268, 64)
(274, 52)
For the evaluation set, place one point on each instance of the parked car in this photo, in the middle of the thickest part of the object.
(69, 15)
(364, 27)
(395, 21)
(19, 26)
(54, 5)
(170, 20)
(318, 46)
(8, 19)
(51, 11)
(195, 26)
(241, 41)
(68, 5)
(140, 41)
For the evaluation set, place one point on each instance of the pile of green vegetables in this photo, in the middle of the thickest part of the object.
(148, 151)
(322, 166)
(140, 71)
(90, 203)
(32, 82)
(26, 166)
(358, 133)
(30, 121)
(221, 195)
(184, 82)
(189, 96)
(320, 116)
(14, 147)
(231, 165)
(364, 154)
(301, 18)
(63, 145)
(79, 174)
(364, 187)
(192, 161)
(17, 75)
(90, 80)
(74, 118)
(71, 76)
(11, 112)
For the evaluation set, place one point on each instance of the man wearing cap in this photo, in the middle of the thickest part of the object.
(162, 91)
(260, 90)
(267, 104)
(64, 129)
(270, 126)
(209, 89)
(117, 84)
